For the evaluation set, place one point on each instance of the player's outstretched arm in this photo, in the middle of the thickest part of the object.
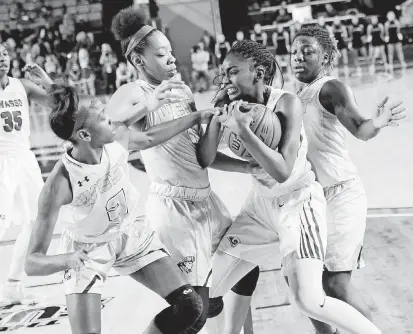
(209, 142)
(338, 99)
(158, 134)
(37, 77)
(279, 164)
(128, 105)
(55, 193)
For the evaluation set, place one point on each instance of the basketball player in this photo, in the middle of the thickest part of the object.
(189, 218)
(375, 36)
(357, 45)
(20, 175)
(258, 36)
(339, 31)
(330, 112)
(394, 39)
(286, 202)
(281, 41)
(101, 226)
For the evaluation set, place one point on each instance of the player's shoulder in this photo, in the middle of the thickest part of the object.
(289, 102)
(57, 186)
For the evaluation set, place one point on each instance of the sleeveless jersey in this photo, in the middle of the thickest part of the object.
(357, 34)
(104, 201)
(327, 149)
(281, 44)
(223, 50)
(376, 35)
(301, 176)
(259, 38)
(339, 34)
(14, 118)
(393, 36)
(174, 162)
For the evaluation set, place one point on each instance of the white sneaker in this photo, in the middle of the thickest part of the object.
(14, 294)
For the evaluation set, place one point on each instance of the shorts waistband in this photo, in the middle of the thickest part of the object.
(281, 190)
(345, 182)
(183, 193)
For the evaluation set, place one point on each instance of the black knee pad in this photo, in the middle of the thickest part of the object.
(247, 284)
(185, 310)
(216, 305)
(196, 327)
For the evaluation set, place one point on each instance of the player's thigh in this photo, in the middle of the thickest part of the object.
(161, 276)
(9, 180)
(84, 310)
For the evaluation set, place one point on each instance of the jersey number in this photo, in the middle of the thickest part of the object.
(116, 207)
(12, 120)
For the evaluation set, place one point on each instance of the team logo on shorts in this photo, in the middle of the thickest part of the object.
(234, 241)
(186, 264)
(67, 275)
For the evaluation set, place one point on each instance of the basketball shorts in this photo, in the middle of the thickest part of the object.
(346, 225)
(20, 185)
(290, 223)
(136, 247)
(191, 223)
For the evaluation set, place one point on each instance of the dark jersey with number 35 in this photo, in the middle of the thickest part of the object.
(14, 118)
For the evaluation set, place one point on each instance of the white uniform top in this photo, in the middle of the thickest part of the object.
(327, 149)
(104, 201)
(174, 162)
(14, 118)
(301, 176)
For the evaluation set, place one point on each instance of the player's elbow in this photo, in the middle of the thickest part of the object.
(281, 176)
(143, 142)
(205, 160)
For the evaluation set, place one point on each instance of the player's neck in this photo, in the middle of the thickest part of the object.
(4, 81)
(86, 154)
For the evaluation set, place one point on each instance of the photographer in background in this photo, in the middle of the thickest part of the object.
(200, 59)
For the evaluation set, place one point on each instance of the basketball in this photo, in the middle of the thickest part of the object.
(265, 125)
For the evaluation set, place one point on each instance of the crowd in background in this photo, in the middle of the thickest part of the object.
(64, 51)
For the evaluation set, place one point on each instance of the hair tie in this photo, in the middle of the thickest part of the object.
(137, 38)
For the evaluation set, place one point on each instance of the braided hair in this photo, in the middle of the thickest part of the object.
(326, 41)
(259, 56)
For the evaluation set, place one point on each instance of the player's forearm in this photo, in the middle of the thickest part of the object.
(38, 264)
(366, 130)
(160, 133)
(271, 161)
(228, 164)
(208, 145)
(132, 114)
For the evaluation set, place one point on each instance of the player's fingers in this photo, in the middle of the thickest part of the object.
(382, 103)
(398, 110)
(395, 105)
(399, 116)
(394, 124)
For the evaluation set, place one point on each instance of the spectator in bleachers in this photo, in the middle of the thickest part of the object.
(87, 72)
(200, 60)
(209, 43)
(52, 66)
(15, 70)
(11, 48)
(330, 11)
(108, 60)
(283, 15)
(132, 70)
(123, 75)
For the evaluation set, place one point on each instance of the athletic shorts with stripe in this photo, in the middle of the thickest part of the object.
(20, 185)
(135, 247)
(290, 223)
(191, 223)
(346, 225)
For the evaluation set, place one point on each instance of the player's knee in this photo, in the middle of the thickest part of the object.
(215, 307)
(247, 284)
(185, 310)
(337, 287)
(310, 302)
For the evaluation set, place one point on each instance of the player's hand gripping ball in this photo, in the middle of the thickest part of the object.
(262, 121)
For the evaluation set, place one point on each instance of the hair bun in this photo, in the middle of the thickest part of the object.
(127, 22)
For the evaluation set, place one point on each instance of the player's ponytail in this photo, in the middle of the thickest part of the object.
(64, 102)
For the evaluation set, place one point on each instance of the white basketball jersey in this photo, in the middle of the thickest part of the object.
(327, 148)
(174, 162)
(301, 176)
(14, 118)
(104, 200)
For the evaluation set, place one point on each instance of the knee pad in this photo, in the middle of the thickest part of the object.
(185, 310)
(216, 305)
(247, 284)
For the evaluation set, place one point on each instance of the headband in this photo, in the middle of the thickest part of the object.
(137, 38)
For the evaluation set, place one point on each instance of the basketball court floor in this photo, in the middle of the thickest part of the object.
(386, 168)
